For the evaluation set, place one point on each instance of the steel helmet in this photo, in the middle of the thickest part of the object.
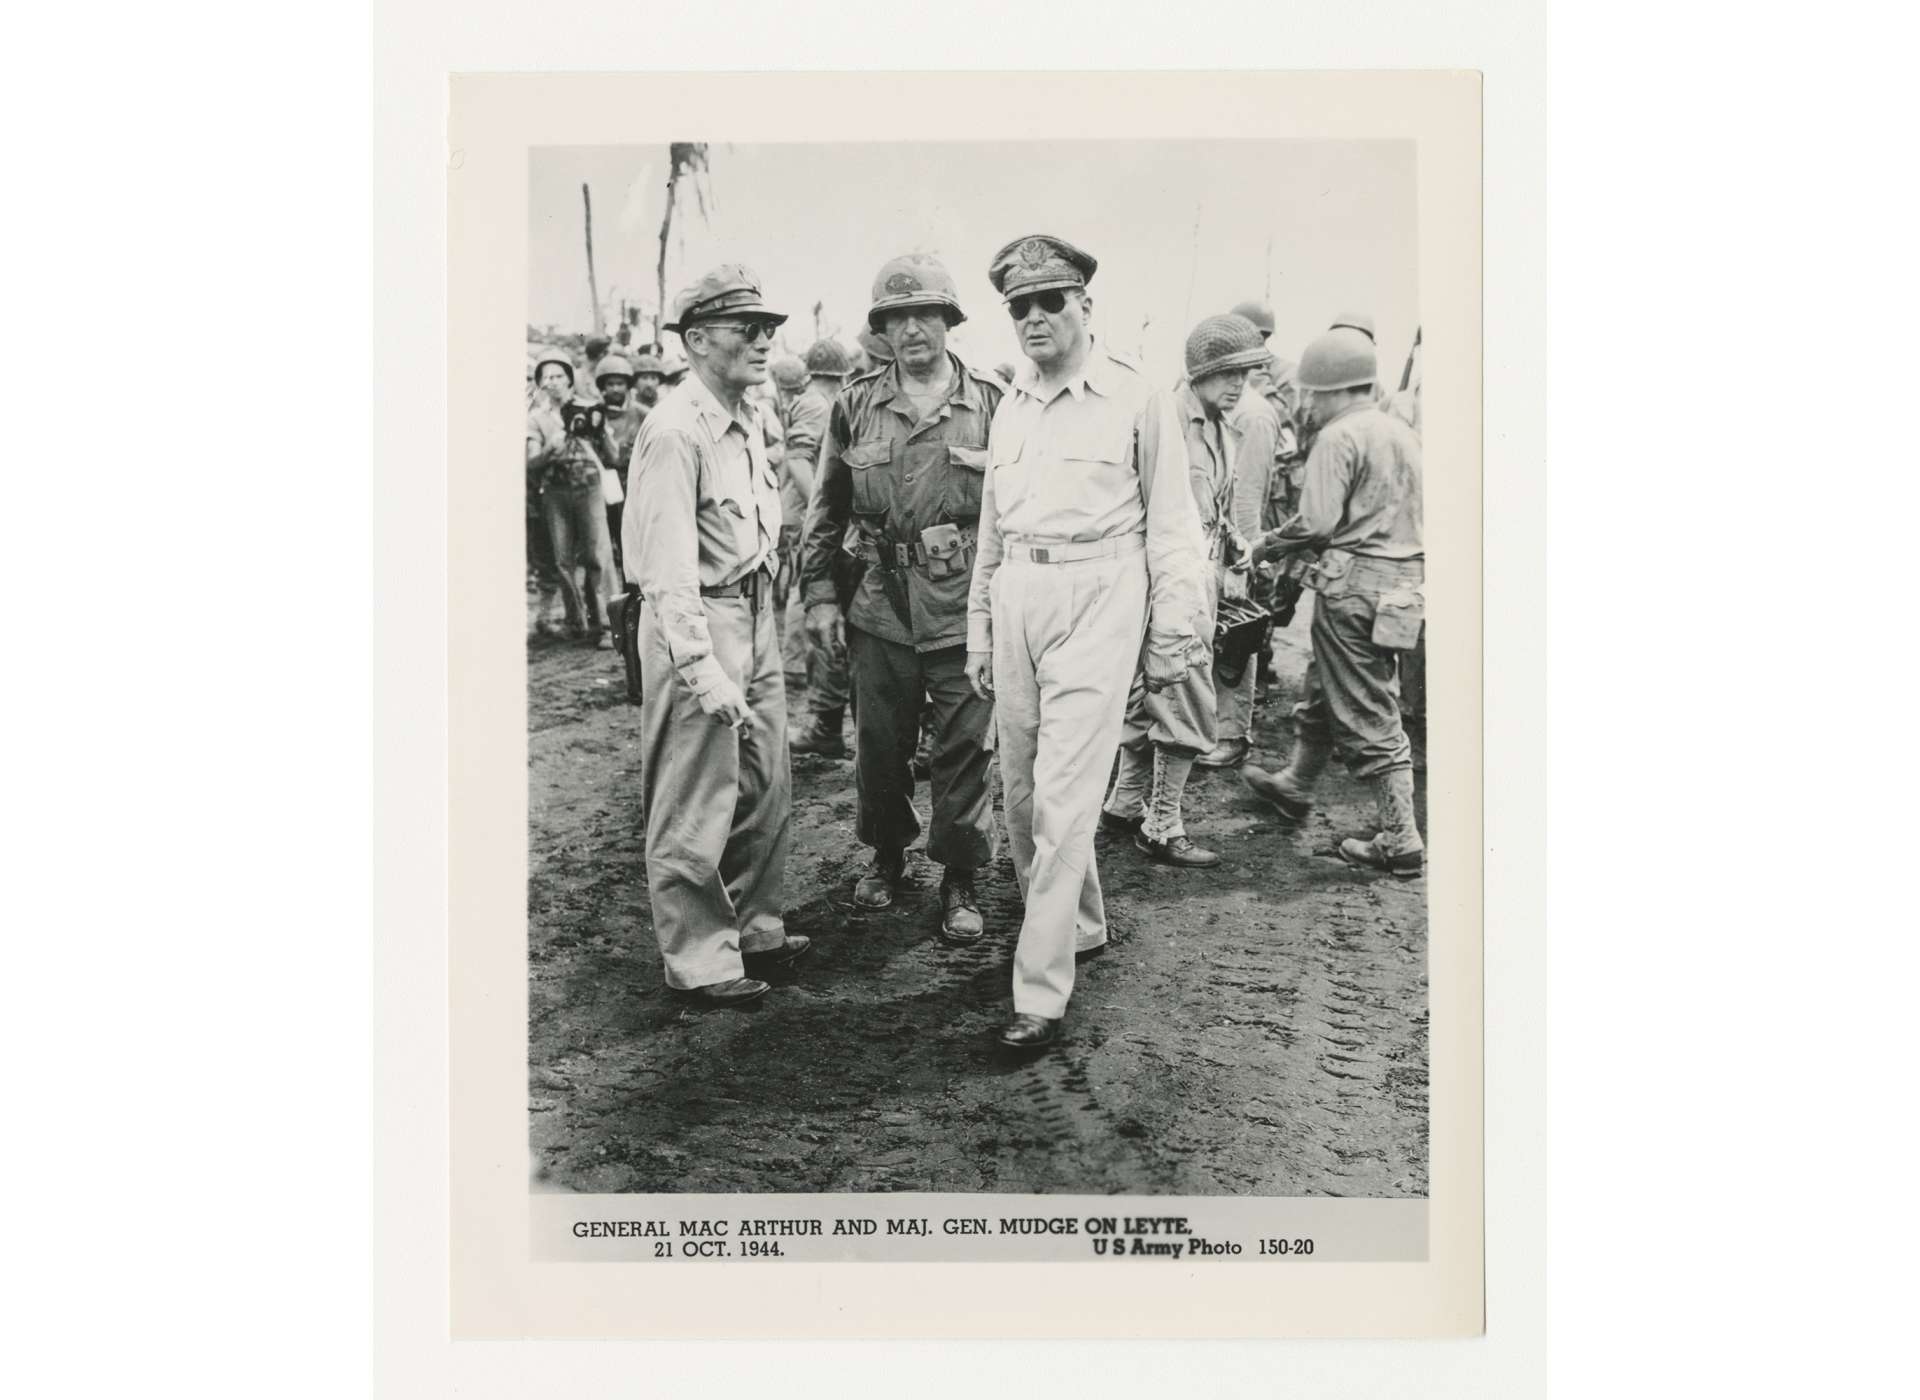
(877, 349)
(551, 355)
(914, 279)
(789, 372)
(1223, 342)
(828, 359)
(1354, 320)
(647, 363)
(612, 365)
(1261, 315)
(597, 345)
(1342, 358)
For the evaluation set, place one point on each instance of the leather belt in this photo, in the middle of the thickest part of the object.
(1073, 551)
(753, 587)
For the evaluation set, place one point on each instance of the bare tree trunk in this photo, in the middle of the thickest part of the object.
(666, 227)
(593, 286)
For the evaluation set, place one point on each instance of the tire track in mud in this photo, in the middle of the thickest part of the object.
(1256, 1029)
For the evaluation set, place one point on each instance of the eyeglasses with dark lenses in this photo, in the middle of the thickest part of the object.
(750, 331)
(1052, 302)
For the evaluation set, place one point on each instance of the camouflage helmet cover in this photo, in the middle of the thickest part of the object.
(789, 371)
(828, 358)
(914, 279)
(1223, 343)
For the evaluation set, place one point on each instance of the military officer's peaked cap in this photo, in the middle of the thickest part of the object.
(731, 289)
(1037, 263)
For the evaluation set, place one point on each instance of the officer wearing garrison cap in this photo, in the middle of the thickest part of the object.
(1089, 544)
(701, 536)
(904, 463)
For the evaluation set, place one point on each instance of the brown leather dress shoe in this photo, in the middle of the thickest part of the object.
(875, 889)
(960, 919)
(776, 960)
(1117, 824)
(1029, 1032)
(737, 992)
(1177, 850)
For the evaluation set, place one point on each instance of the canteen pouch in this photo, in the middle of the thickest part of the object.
(1397, 619)
(948, 551)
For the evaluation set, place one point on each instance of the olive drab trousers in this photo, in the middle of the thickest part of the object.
(891, 680)
(1066, 642)
(717, 799)
(1352, 698)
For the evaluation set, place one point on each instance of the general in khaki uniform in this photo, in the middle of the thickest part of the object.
(1361, 510)
(701, 532)
(1165, 732)
(905, 463)
(1088, 540)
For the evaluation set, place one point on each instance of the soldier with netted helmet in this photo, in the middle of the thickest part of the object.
(1088, 539)
(904, 465)
(1361, 512)
(1260, 463)
(1165, 731)
(819, 669)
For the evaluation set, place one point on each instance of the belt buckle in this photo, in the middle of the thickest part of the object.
(1040, 555)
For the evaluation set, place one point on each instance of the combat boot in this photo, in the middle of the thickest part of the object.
(821, 737)
(1291, 791)
(960, 920)
(876, 887)
(1397, 849)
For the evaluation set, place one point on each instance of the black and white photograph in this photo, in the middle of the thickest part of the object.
(976, 668)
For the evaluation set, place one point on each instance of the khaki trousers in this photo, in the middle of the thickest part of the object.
(717, 800)
(1066, 640)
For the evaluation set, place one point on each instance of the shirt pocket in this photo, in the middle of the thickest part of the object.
(867, 465)
(966, 474)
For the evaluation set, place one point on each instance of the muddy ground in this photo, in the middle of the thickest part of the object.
(1259, 1028)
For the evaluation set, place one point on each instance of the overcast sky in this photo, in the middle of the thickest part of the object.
(816, 221)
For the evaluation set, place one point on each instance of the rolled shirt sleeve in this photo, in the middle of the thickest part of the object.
(1176, 548)
(660, 541)
(1327, 477)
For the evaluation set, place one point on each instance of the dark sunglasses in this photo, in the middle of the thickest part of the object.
(750, 331)
(1052, 302)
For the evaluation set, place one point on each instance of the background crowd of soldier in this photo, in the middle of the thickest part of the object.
(1060, 572)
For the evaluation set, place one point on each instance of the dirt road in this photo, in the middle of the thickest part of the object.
(1259, 1028)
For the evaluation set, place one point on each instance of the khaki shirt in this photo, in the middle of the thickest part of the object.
(623, 428)
(1211, 450)
(1081, 462)
(703, 511)
(807, 418)
(1361, 490)
(1257, 464)
(893, 474)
